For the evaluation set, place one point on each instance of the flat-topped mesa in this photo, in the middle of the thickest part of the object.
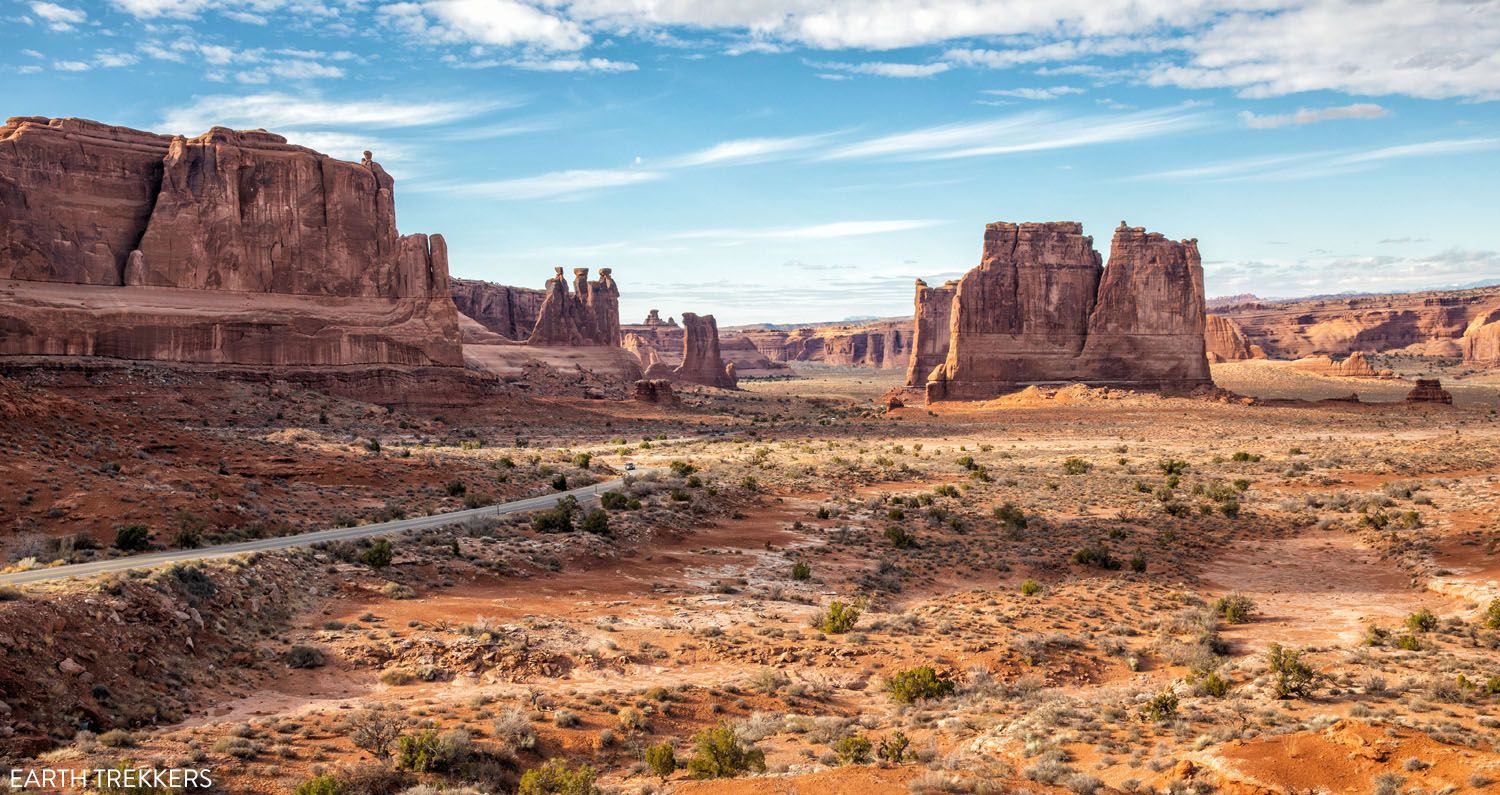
(508, 311)
(589, 315)
(933, 319)
(701, 360)
(98, 208)
(1041, 308)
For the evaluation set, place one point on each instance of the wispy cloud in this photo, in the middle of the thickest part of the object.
(1025, 132)
(828, 231)
(1303, 116)
(59, 18)
(1304, 165)
(1047, 93)
(884, 69)
(744, 150)
(279, 110)
(569, 183)
(1327, 273)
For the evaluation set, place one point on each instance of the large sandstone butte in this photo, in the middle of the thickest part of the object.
(228, 248)
(701, 361)
(1481, 340)
(1041, 308)
(932, 327)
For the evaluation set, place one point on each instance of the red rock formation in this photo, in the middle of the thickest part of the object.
(651, 362)
(653, 318)
(657, 391)
(1041, 308)
(589, 315)
(701, 360)
(1226, 343)
(228, 248)
(1481, 340)
(933, 322)
(1429, 390)
(1429, 323)
(510, 312)
(880, 344)
(1355, 365)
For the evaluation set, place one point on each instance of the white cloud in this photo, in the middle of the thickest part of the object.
(744, 150)
(152, 9)
(556, 65)
(289, 111)
(70, 66)
(1049, 92)
(1024, 132)
(59, 18)
(882, 69)
(570, 183)
(115, 60)
(1304, 165)
(1313, 116)
(501, 23)
(1327, 274)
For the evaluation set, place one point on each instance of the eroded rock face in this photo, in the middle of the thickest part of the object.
(933, 320)
(701, 360)
(879, 344)
(232, 247)
(1355, 365)
(1226, 343)
(1041, 308)
(508, 311)
(588, 315)
(1429, 390)
(655, 390)
(1481, 340)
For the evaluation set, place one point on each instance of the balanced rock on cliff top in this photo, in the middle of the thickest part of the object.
(1041, 308)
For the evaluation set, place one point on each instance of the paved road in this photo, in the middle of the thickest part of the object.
(307, 539)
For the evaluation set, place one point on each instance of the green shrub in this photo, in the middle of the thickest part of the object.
(918, 684)
(1492, 615)
(661, 760)
(1215, 685)
(1422, 621)
(582, 460)
(839, 617)
(1293, 677)
(378, 556)
(1234, 608)
(1408, 642)
(1138, 564)
(1172, 466)
(1076, 466)
(1161, 708)
(613, 501)
(1030, 588)
(853, 749)
(431, 752)
(322, 785)
(801, 571)
(557, 520)
(555, 777)
(899, 538)
(682, 468)
(132, 538)
(1012, 519)
(559, 482)
(456, 488)
(719, 753)
(1096, 556)
(1242, 456)
(596, 521)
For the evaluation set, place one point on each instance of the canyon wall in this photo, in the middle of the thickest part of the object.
(1431, 323)
(1041, 308)
(1481, 340)
(880, 344)
(665, 338)
(228, 248)
(1226, 343)
(511, 312)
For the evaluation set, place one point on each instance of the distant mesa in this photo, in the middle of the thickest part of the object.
(1042, 308)
(1429, 390)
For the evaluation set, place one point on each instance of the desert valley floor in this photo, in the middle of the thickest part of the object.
(1081, 590)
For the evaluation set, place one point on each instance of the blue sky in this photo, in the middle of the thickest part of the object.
(799, 160)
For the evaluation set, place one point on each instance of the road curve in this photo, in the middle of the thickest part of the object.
(305, 539)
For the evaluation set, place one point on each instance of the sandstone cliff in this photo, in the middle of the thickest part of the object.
(229, 248)
(880, 344)
(701, 360)
(510, 312)
(932, 324)
(1481, 340)
(1431, 323)
(589, 315)
(1226, 343)
(1040, 308)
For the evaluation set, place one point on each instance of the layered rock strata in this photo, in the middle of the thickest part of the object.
(701, 359)
(511, 312)
(1226, 343)
(931, 327)
(588, 315)
(1042, 308)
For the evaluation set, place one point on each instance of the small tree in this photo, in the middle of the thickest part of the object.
(132, 538)
(1012, 519)
(801, 571)
(378, 556)
(720, 753)
(1161, 708)
(838, 618)
(1030, 588)
(900, 538)
(375, 729)
(1294, 678)
(682, 469)
(555, 777)
(895, 748)
(596, 521)
(661, 760)
(1492, 615)
(1234, 608)
(1422, 621)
